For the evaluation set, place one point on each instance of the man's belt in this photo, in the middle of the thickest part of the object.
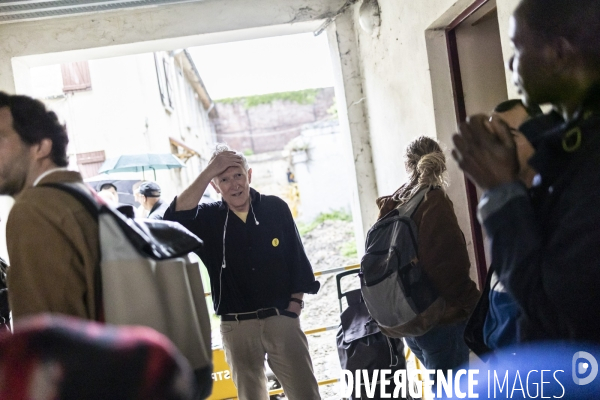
(259, 314)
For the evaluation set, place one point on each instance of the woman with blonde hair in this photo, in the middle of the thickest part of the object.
(442, 252)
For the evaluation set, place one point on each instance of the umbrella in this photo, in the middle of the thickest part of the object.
(141, 162)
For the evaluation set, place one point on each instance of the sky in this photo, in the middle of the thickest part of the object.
(259, 66)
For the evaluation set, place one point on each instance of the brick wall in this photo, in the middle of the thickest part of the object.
(268, 127)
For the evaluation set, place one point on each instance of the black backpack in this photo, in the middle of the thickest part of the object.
(398, 293)
(360, 343)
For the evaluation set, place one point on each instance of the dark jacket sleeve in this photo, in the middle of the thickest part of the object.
(443, 255)
(158, 213)
(516, 241)
(187, 218)
(184, 215)
(302, 276)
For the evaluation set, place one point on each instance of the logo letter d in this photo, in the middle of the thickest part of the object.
(593, 363)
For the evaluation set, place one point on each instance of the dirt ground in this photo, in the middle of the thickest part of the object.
(323, 247)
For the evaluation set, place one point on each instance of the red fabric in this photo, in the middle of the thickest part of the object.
(80, 359)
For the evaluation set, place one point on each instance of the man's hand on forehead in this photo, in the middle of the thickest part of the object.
(485, 150)
(223, 161)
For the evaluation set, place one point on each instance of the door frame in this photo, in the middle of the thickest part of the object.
(461, 115)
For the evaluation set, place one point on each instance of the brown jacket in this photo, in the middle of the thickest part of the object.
(442, 252)
(53, 248)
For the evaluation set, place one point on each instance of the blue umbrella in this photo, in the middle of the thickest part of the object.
(141, 162)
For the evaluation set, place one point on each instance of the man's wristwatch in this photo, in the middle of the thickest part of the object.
(299, 301)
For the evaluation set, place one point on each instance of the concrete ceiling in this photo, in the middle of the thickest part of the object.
(23, 10)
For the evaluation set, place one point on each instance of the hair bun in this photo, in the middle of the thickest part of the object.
(431, 165)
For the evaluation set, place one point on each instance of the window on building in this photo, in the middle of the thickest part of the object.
(165, 84)
(76, 76)
(89, 163)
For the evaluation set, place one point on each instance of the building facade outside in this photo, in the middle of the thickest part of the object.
(137, 104)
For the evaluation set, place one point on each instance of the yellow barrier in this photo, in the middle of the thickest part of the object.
(335, 270)
(223, 386)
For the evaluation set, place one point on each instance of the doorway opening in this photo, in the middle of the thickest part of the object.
(165, 101)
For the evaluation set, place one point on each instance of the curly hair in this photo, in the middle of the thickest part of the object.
(426, 165)
(34, 123)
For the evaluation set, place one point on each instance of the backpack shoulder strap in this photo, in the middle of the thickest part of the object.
(86, 198)
(410, 207)
(80, 193)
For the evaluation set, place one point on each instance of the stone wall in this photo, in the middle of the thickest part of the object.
(270, 126)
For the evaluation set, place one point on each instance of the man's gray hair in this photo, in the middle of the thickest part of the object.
(222, 147)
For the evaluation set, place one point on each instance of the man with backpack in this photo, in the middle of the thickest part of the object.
(52, 239)
(546, 243)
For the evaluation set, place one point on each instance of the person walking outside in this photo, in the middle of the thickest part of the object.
(442, 252)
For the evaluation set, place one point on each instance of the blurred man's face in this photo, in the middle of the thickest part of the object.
(111, 190)
(15, 157)
(138, 197)
(234, 186)
(514, 118)
(110, 195)
(531, 64)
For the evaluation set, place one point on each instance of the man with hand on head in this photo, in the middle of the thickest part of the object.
(259, 273)
(546, 241)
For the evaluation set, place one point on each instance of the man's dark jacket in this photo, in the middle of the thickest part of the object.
(265, 262)
(546, 247)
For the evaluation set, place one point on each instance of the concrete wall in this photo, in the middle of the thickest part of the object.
(149, 29)
(481, 64)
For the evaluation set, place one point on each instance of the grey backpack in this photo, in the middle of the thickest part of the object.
(398, 293)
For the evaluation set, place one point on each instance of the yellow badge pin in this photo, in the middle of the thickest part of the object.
(275, 242)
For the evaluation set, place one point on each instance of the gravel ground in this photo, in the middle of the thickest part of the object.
(323, 247)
